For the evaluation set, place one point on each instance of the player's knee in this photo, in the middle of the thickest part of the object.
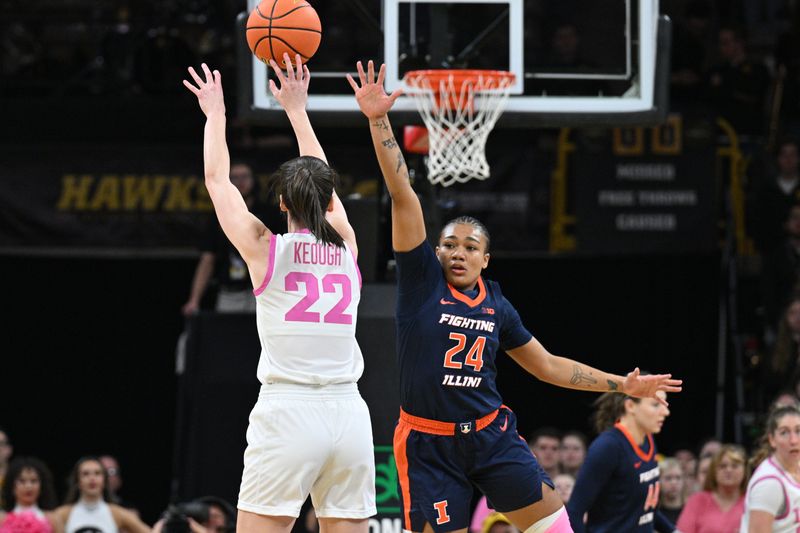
(557, 522)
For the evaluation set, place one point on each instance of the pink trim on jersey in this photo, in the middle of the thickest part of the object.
(780, 469)
(304, 230)
(358, 270)
(785, 494)
(271, 267)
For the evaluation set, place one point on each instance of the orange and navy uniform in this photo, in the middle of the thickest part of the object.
(454, 431)
(618, 486)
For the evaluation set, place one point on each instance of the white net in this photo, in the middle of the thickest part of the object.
(459, 109)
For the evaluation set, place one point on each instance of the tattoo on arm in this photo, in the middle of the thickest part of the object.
(612, 385)
(400, 162)
(381, 125)
(390, 143)
(580, 378)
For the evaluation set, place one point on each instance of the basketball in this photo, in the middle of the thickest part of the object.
(275, 27)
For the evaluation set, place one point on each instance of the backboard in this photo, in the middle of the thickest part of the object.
(576, 62)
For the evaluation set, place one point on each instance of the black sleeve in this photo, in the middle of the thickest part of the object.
(418, 275)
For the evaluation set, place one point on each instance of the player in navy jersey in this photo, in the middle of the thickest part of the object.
(454, 431)
(618, 484)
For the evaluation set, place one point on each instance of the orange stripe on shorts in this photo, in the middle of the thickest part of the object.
(401, 459)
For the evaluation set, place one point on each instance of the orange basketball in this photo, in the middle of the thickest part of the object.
(278, 26)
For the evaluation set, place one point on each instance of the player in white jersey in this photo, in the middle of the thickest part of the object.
(772, 503)
(310, 430)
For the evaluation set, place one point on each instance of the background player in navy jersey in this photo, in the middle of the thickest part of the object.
(618, 484)
(454, 431)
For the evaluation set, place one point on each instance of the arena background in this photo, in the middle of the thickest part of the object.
(93, 287)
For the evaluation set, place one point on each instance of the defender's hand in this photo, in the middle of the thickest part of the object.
(371, 98)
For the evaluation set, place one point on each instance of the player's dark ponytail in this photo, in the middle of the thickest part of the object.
(306, 184)
(608, 409)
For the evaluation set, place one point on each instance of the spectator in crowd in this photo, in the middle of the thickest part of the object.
(779, 273)
(28, 498)
(738, 84)
(773, 493)
(691, 48)
(783, 365)
(221, 265)
(114, 472)
(6, 450)
(688, 462)
(572, 452)
(709, 447)
(700, 475)
(774, 198)
(545, 443)
(88, 503)
(564, 484)
(673, 488)
(719, 506)
(783, 398)
(617, 486)
(498, 523)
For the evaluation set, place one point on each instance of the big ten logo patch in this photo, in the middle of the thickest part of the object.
(387, 492)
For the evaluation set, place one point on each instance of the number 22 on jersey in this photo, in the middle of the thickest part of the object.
(300, 313)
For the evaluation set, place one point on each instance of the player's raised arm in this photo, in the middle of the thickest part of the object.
(570, 374)
(292, 94)
(408, 223)
(241, 227)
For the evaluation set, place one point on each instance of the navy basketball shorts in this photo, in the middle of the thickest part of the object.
(439, 463)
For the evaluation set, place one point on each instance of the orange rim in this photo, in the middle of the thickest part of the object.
(481, 79)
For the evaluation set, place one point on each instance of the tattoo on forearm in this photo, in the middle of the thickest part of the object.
(400, 162)
(612, 385)
(390, 143)
(580, 378)
(381, 125)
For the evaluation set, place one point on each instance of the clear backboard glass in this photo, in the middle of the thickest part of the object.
(570, 57)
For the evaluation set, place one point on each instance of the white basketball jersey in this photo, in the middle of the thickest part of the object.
(306, 313)
(787, 517)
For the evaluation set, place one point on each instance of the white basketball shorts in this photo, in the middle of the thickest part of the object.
(305, 439)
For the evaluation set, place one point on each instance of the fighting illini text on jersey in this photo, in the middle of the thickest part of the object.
(306, 311)
(448, 340)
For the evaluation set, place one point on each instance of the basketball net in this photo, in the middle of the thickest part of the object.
(459, 108)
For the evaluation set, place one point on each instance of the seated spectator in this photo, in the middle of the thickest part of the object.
(774, 197)
(691, 48)
(111, 465)
(545, 443)
(782, 367)
(572, 452)
(673, 488)
(688, 462)
(738, 85)
(699, 476)
(498, 523)
(29, 498)
(564, 484)
(718, 508)
(88, 503)
(479, 515)
(779, 273)
(784, 398)
(709, 447)
(5, 454)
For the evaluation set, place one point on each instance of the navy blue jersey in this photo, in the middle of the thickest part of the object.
(618, 486)
(447, 340)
